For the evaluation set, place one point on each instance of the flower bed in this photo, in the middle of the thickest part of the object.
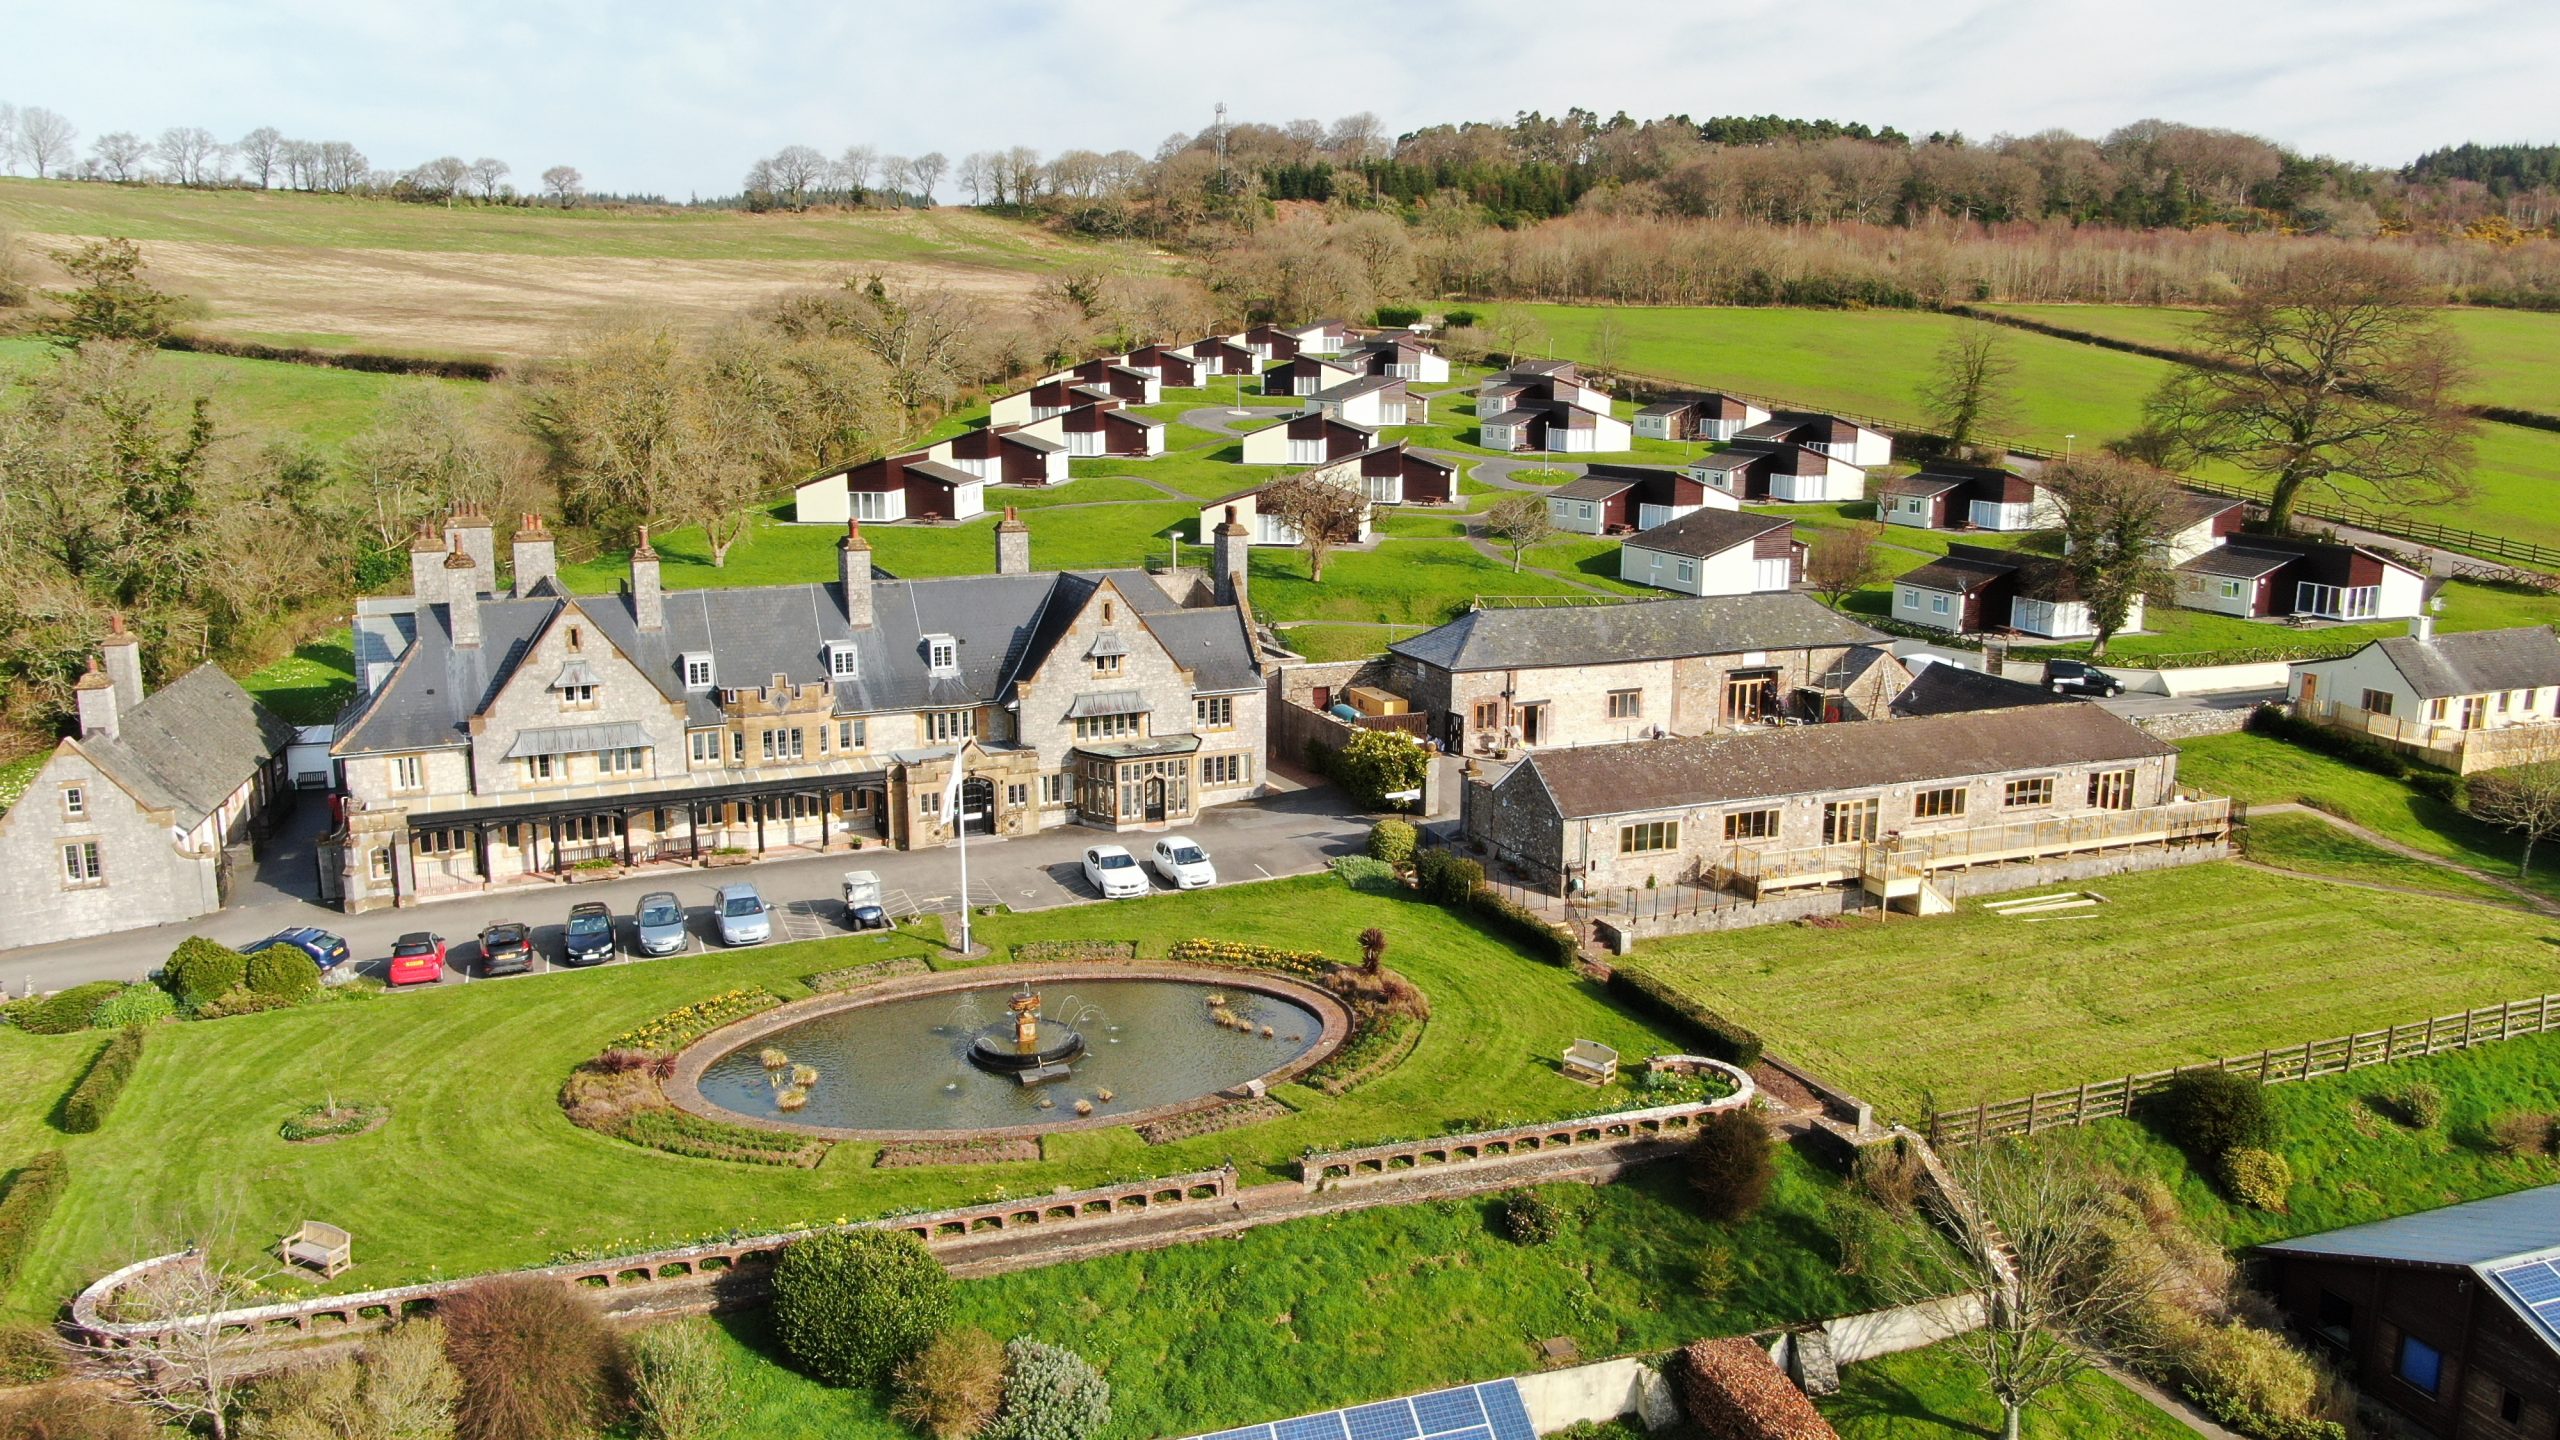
(676, 1029)
(1379, 1045)
(332, 1120)
(956, 1152)
(1042, 952)
(1305, 964)
(672, 1130)
(853, 977)
(1210, 1122)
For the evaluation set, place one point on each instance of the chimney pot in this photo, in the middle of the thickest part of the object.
(648, 602)
(123, 653)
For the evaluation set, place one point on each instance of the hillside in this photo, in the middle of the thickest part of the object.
(341, 272)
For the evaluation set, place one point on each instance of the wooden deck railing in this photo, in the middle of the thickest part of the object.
(2184, 821)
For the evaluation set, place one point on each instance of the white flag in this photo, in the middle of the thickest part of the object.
(951, 787)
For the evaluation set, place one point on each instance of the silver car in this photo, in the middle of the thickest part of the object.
(743, 917)
(659, 923)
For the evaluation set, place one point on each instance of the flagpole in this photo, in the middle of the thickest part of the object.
(960, 817)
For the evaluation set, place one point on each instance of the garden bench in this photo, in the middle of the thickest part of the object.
(1590, 1062)
(324, 1248)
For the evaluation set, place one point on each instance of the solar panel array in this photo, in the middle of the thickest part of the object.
(2537, 1284)
(1491, 1411)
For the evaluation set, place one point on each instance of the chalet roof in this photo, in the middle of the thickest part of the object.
(1669, 407)
(1918, 485)
(1593, 487)
(2239, 562)
(2188, 509)
(1957, 575)
(1739, 457)
(1707, 532)
(1352, 389)
(190, 744)
(1651, 775)
(1643, 630)
(2475, 662)
(941, 474)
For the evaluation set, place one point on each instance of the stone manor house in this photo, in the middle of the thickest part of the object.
(502, 734)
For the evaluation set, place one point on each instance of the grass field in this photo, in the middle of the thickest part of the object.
(478, 1169)
(1344, 642)
(2313, 846)
(323, 406)
(1937, 1393)
(2179, 965)
(309, 686)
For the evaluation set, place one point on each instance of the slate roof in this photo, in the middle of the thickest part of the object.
(190, 744)
(1919, 485)
(1592, 487)
(1643, 630)
(1951, 690)
(2188, 509)
(1669, 407)
(2475, 662)
(1649, 775)
(1353, 389)
(2243, 562)
(1957, 575)
(1706, 532)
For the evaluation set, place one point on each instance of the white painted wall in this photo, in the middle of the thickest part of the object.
(821, 501)
(1728, 572)
(1648, 516)
(1582, 517)
(2205, 592)
(1269, 446)
(1012, 410)
(2404, 593)
(1915, 606)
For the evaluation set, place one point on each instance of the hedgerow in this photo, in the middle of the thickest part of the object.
(87, 1106)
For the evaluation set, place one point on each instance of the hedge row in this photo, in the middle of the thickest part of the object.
(1551, 943)
(1723, 1039)
(32, 1194)
(65, 1011)
(90, 1100)
(680, 1132)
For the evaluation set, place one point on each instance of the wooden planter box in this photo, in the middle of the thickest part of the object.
(716, 861)
(576, 875)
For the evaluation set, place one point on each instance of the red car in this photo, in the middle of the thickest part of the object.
(417, 958)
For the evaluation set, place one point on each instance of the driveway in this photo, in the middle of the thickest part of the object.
(2137, 707)
(1295, 831)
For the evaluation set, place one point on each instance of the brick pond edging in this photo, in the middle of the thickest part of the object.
(684, 1087)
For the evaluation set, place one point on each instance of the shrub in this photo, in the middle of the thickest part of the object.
(1539, 939)
(285, 973)
(2213, 1111)
(328, 1119)
(400, 1388)
(2524, 1132)
(1398, 316)
(243, 1001)
(1375, 877)
(1714, 1035)
(2251, 1380)
(1890, 1175)
(200, 971)
(32, 1194)
(1459, 319)
(1731, 1165)
(1446, 877)
(2255, 1177)
(1050, 1393)
(85, 1109)
(1529, 1218)
(133, 1005)
(71, 1411)
(851, 1305)
(2356, 750)
(679, 1386)
(1392, 840)
(1374, 763)
(536, 1359)
(30, 1354)
(2418, 1105)
(64, 1011)
(2440, 785)
(953, 1386)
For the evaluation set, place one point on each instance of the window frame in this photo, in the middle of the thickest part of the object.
(1940, 802)
(2040, 787)
(1626, 704)
(1868, 812)
(1741, 826)
(2112, 790)
(83, 865)
(408, 772)
(1648, 837)
(2433, 1385)
(75, 802)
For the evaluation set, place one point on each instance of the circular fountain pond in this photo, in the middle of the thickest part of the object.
(1102, 1051)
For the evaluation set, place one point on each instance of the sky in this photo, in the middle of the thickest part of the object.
(678, 99)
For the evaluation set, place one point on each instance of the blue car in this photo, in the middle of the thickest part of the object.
(326, 950)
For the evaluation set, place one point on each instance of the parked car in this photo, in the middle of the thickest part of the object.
(1183, 864)
(588, 937)
(862, 907)
(417, 958)
(326, 950)
(658, 925)
(742, 915)
(506, 948)
(2076, 677)
(1112, 870)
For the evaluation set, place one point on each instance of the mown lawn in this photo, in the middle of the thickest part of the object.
(324, 406)
(775, 551)
(1419, 582)
(309, 686)
(478, 1169)
(1936, 1393)
(1343, 1309)
(2179, 966)
(1345, 642)
(2313, 846)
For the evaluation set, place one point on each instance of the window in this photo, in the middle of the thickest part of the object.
(950, 724)
(1215, 712)
(1109, 727)
(577, 697)
(75, 802)
(2419, 1363)
(879, 505)
(2336, 1319)
(381, 865)
(1648, 836)
(619, 762)
(706, 747)
(1106, 664)
(1106, 612)
(782, 745)
(537, 768)
(2377, 701)
(2034, 790)
(1937, 604)
(408, 772)
(1688, 571)
(1751, 825)
(697, 671)
(80, 864)
(1910, 599)
(941, 654)
(1053, 789)
(1488, 714)
(1225, 770)
(853, 734)
(737, 747)
(1582, 510)
(843, 662)
(1016, 795)
(575, 637)
(930, 802)
(2111, 790)
(1938, 804)
(1625, 704)
(442, 842)
(2227, 589)
(2510, 1406)
(1848, 822)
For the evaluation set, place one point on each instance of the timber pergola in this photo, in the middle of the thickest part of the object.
(546, 817)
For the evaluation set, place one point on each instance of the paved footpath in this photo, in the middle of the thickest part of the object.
(1297, 830)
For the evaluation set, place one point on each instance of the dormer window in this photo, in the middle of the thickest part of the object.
(843, 661)
(575, 685)
(942, 655)
(697, 670)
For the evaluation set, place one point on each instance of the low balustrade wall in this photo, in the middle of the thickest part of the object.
(1623, 1130)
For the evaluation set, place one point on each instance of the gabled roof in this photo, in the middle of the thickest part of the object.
(1593, 487)
(1918, 485)
(1669, 407)
(1642, 630)
(1352, 389)
(190, 744)
(2238, 562)
(1957, 575)
(2475, 662)
(2187, 509)
(1707, 532)
(1943, 689)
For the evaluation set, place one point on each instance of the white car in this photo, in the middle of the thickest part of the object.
(1183, 864)
(1114, 871)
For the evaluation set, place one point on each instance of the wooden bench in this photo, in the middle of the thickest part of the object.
(1590, 1062)
(324, 1248)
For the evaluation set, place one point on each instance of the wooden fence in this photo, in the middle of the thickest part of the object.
(2114, 1099)
(2450, 746)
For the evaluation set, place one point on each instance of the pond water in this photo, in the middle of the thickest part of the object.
(904, 1064)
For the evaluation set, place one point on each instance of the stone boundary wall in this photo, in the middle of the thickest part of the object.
(2190, 724)
(1321, 1170)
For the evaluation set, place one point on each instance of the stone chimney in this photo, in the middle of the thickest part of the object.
(96, 697)
(1013, 544)
(1228, 554)
(469, 529)
(123, 651)
(426, 564)
(2422, 628)
(648, 603)
(535, 558)
(853, 566)
(462, 596)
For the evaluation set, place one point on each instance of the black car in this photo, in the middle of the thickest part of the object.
(506, 948)
(588, 937)
(2074, 677)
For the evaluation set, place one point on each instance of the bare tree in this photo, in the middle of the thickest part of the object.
(488, 173)
(190, 1369)
(1519, 521)
(1967, 392)
(2329, 373)
(190, 154)
(443, 176)
(977, 176)
(8, 137)
(119, 154)
(893, 178)
(1021, 167)
(564, 185)
(923, 339)
(2117, 518)
(1839, 563)
(2022, 1242)
(796, 169)
(260, 152)
(340, 167)
(45, 140)
(852, 172)
(2524, 798)
(1608, 344)
(300, 162)
(1324, 513)
(928, 170)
